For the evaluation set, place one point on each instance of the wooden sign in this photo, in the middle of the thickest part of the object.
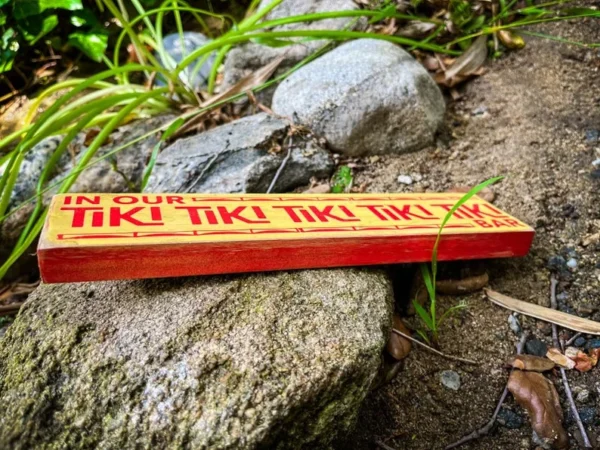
(109, 236)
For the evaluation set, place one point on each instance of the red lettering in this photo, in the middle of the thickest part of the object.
(483, 224)
(80, 199)
(325, 214)
(476, 211)
(79, 215)
(407, 215)
(373, 209)
(172, 199)
(125, 199)
(229, 216)
(290, 212)
(195, 216)
(116, 216)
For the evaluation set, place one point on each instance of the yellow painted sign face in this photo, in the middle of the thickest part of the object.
(94, 220)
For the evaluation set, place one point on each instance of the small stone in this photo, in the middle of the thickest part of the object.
(514, 325)
(450, 379)
(587, 414)
(572, 263)
(179, 47)
(580, 342)
(405, 179)
(557, 263)
(596, 162)
(583, 396)
(592, 343)
(509, 419)
(536, 347)
(479, 111)
(592, 136)
(563, 296)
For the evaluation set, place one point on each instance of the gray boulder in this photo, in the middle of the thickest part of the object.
(121, 172)
(247, 58)
(236, 157)
(365, 97)
(279, 360)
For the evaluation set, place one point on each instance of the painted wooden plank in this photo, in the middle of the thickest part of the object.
(110, 236)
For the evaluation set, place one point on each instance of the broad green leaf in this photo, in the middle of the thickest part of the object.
(424, 315)
(27, 8)
(2, 18)
(4, 2)
(35, 27)
(92, 44)
(8, 50)
(84, 17)
(342, 180)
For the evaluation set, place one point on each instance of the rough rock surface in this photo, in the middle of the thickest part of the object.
(280, 360)
(235, 158)
(365, 97)
(101, 177)
(246, 59)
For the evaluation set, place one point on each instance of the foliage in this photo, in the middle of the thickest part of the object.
(429, 317)
(125, 90)
(25, 22)
(342, 180)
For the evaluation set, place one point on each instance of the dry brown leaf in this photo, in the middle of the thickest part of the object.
(416, 29)
(319, 189)
(462, 286)
(247, 83)
(557, 356)
(530, 362)
(583, 362)
(538, 396)
(398, 347)
(563, 319)
(470, 61)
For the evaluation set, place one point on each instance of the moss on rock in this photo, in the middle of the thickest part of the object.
(277, 360)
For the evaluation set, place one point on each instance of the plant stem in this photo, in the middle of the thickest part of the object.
(433, 350)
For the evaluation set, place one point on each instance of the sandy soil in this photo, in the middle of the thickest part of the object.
(526, 119)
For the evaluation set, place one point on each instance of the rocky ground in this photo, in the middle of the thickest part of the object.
(534, 118)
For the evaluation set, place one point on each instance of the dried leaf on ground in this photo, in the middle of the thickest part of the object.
(399, 347)
(557, 356)
(583, 362)
(538, 396)
(416, 29)
(462, 286)
(470, 61)
(530, 362)
(319, 189)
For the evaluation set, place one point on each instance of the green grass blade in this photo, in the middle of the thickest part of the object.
(424, 315)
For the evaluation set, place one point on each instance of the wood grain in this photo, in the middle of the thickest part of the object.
(106, 236)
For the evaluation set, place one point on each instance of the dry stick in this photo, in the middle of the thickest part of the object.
(5, 310)
(282, 166)
(484, 430)
(431, 349)
(563, 373)
(570, 341)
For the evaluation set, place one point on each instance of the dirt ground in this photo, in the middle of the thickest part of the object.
(533, 117)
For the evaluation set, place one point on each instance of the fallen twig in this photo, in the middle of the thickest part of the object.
(570, 341)
(282, 166)
(563, 319)
(13, 308)
(484, 430)
(563, 373)
(433, 350)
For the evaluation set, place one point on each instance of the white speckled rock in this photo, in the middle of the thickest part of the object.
(366, 97)
(278, 361)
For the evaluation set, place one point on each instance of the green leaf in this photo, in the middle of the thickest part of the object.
(2, 18)
(424, 336)
(172, 128)
(451, 310)
(342, 180)
(427, 279)
(93, 44)
(35, 27)
(4, 2)
(9, 50)
(272, 42)
(84, 17)
(27, 8)
(424, 315)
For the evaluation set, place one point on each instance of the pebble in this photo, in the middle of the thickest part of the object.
(509, 419)
(587, 414)
(405, 179)
(596, 162)
(514, 324)
(479, 111)
(579, 342)
(592, 136)
(592, 343)
(557, 263)
(536, 347)
(583, 396)
(450, 379)
(572, 263)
